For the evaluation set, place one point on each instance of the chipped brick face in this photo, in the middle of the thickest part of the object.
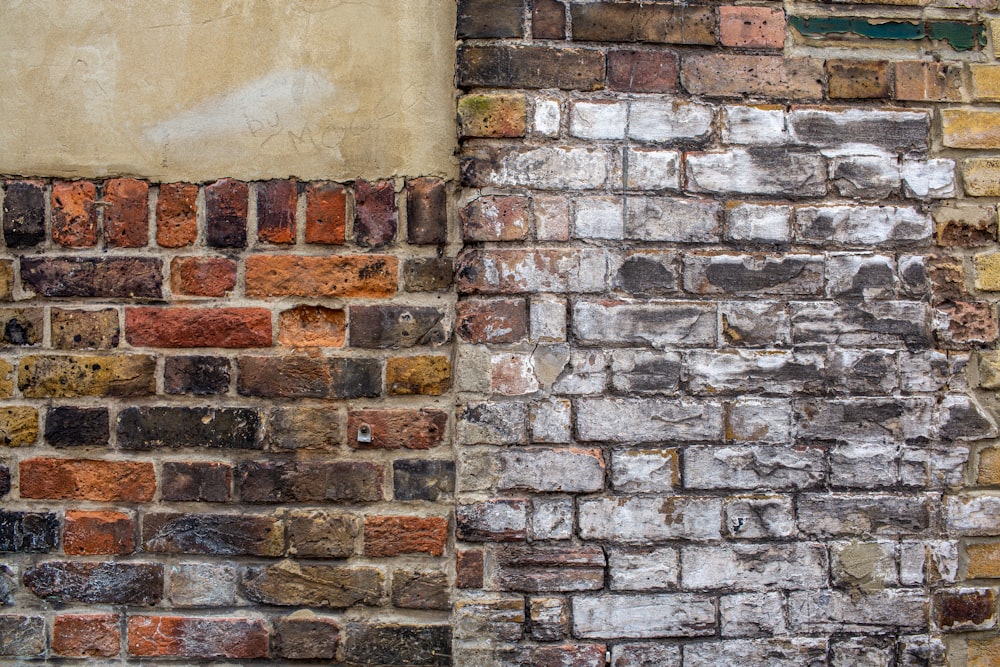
(692, 363)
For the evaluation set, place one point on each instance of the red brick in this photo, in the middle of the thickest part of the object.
(375, 213)
(226, 204)
(180, 637)
(495, 218)
(548, 20)
(469, 568)
(198, 327)
(98, 532)
(83, 479)
(314, 277)
(276, 202)
(753, 27)
(969, 323)
(395, 429)
(491, 320)
(395, 535)
(202, 276)
(312, 326)
(734, 75)
(126, 215)
(86, 635)
(177, 215)
(326, 213)
(74, 214)
(643, 71)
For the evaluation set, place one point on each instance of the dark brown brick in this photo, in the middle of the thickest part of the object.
(198, 376)
(22, 636)
(4, 490)
(395, 429)
(85, 329)
(428, 274)
(68, 426)
(631, 22)
(306, 377)
(482, 19)
(315, 638)
(375, 213)
(177, 215)
(858, 79)
(106, 277)
(96, 583)
(967, 609)
(308, 481)
(326, 213)
(422, 479)
(321, 534)
(643, 71)
(530, 67)
(540, 569)
(416, 589)
(469, 568)
(276, 202)
(491, 320)
(392, 644)
(294, 428)
(548, 19)
(74, 215)
(198, 481)
(24, 214)
(143, 428)
(392, 326)
(226, 203)
(213, 534)
(126, 214)
(288, 583)
(426, 211)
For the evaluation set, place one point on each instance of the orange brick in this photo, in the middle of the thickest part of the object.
(198, 327)
(98, 532)
(755, 27)
(176, 215)
(326, 213)
(82, 479)
(205, 638)
(202, 276)
(74, 214)
(86, 635)
(343, 275)
(984, 560)
(312, 326)
(395, 535)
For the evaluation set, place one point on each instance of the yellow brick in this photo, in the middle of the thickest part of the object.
(989, 370)
(6, 379)
(982, 177)
(429, 375)
(995, 37)
(44, 376)
(986, 82)
(988, 272)
(18, 426)
(970, 128)
(984, 560)
(989, 466)
(492, 115)
(984, 652)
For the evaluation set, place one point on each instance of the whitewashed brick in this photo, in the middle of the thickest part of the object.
(643, 569)
(864, 566)
(761, 171)
(861, 323)
(667, 121)
(551, 421)
(642, 616)
(513, 374)
(598, 120)
(890, 130)
(652, 323)
(923, 371)
(791, 274)
(752, 614)
(550, 168)
(493, 424)
(860, 276)
(972, 515)
(867, 176)
(864, 465)
(678, 220)
(547, 117)
(773, 652)
(649, 169)
(548, 470)
(637, 654)
(751, 467)
(644, 470)
(743, 371)
(754, 566)
(935, 466)
(928, 179)
(547, 319)
(645, 372)
(648, 420)
(922, 651)
(850, 515)
(551, 518)
(928, 562)
(644, 519)
(862, 652)
(759, 517)
(759, 223)
(754, 125)
(586, 374)
(598, 218)
(551, 215)
(839, 611)
(756, 323)
(862, 225)
(767, 420)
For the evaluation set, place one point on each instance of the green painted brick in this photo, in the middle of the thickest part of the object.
(959, 35)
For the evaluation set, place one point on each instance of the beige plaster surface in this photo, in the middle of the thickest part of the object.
(198, 89)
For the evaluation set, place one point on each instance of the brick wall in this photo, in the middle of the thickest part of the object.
(695, 365)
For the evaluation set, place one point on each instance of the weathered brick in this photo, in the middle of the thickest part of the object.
(656, 121)
(197, 638)
(643, 568)
(819, 611)
(731, 75)
(753, 467)
(751, 27)
(74, 215)
(491, 320)
(790, 274)
(469, 568)
(320, 276)
(312, 326)
(865, 176)
(144, 428)
(643, 372)
(754, 567)
(23, 213)
(547, 118)
(302, 428)
(648, 420)
(658, 23)
(426, 211)
(759, 420)
(858, 79)
(503, 520)
(530, 67)
(540, 569)
(375, 213)
(177, 215)
(636, 654)
(873, 324)
(983, 652)
(22, 636)
(415, 479)
(307, 638)
(642, 616)
(304, 377)
(495, 218)
(198, 327)
(84, 329)
(567, 470)
(980, 177)
(326, 213)
(106, 277)
(199, 481)
(428, 274)
(971, 515)
(492, 116)
(309, 481)
(928, 81)
(861, 514)
(86, 635)
(129, 583)
(755, 125)
(890, 130)
(391, 326)
(752, 614)
(646, 273)
(651, 169)
(643, 71)
(511, 271)
(970, 128)
(478, 19)
(649, 324)
(545, 167)
(212, 534)
(644, 520)
(18, 426)
(761, 171)
(415, 589)
(202, 585)
(928, 179)
(499, 617)
(428, 375)
(226, 204)
(965, 609)
(645, 470)
(985, 82)
(6, 279)
(21, 326)
(4, 490)
(81, 479)
(548, 19)
(776, 652)
(98, 532)
(276, 202)
(67, 426)
(387, 536)
(202, 276)
(28, 532)
(321, 534)
(198, 376)
(393, 644)
(492, 424)
(288, 583)
(395, 429)
(758, 224)
(968, 324)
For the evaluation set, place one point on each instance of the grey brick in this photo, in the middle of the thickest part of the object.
(839, 514)
(787, 275)
(793, 652)
(677, 220)
(647, 420)
(750, 467)
(648, 519)
(839, 611)
(650, 323)
(757, 171)
(642, 616)
(754, 566)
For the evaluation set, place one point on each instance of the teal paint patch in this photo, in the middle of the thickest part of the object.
(961, 36)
